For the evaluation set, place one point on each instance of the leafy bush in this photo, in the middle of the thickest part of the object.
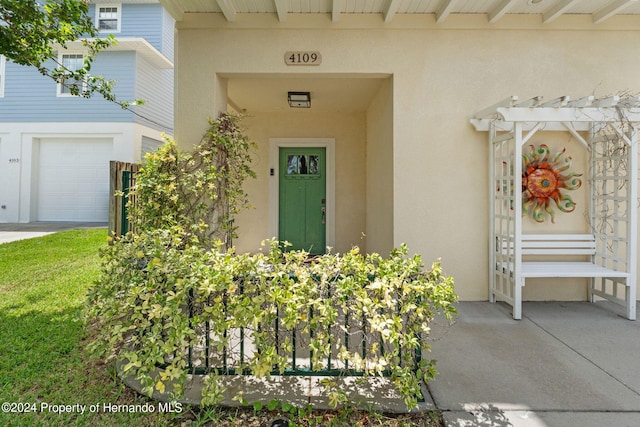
(157, 298)
(198, 191)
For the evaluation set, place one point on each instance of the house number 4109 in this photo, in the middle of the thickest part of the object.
(297, 57)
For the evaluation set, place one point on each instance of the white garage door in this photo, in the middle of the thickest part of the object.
(73, 180)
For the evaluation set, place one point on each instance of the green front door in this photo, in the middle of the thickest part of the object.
(302, 204)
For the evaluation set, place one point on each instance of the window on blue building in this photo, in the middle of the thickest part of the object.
(108, 18)
(71, 62)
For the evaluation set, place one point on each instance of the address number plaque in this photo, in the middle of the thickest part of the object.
(303, 57)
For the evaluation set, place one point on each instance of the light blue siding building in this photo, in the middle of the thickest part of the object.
(55, 148)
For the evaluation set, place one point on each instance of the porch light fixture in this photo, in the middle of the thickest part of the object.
(299, 99)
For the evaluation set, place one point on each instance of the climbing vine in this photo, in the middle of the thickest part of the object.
(198, 191)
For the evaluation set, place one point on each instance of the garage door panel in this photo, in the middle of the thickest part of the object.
(87, 188)
(73, 181)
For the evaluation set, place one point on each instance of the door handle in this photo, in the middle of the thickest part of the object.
(323, 211)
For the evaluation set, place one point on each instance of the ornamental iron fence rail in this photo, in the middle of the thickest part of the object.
(351, 332)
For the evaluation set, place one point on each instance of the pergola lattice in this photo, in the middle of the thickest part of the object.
(608, 129)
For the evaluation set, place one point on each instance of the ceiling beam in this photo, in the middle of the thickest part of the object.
(227, 9)
(390, 11)
(444, 10)
(500, 10)
(336, 10)
(281, 9)
(611, 9)
(557, 10)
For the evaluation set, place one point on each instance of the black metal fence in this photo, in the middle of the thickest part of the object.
(352, 332)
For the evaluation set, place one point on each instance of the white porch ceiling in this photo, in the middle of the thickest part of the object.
(548, 10)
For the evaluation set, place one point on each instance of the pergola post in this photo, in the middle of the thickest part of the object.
(517, 207)
(633, 224)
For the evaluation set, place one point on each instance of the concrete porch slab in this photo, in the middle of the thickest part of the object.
(607, 340)
(561, 363)
(540, 419)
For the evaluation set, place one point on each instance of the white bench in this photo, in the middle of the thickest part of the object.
(563, 246)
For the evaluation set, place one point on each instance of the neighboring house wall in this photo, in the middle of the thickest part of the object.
(2, 74)
(149, 145)
(168, 31)
(146, 20)
(77, 156)
(55, 150)
(137, 20)
(31, 97)
(155, 87)
(428, 152)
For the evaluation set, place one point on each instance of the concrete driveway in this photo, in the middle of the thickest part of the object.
(13, 232)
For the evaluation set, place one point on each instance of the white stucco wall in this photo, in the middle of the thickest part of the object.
(379, 153)
(441, 76)
(18, 155)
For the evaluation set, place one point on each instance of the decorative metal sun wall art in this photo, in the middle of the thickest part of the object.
(543, 181)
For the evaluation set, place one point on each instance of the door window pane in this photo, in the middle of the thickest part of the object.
(292, 165)
(313, 165)
(298, 164)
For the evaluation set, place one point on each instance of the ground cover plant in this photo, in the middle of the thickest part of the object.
(43, 283)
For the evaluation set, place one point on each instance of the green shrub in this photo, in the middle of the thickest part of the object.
(155, 297)
(199, 191)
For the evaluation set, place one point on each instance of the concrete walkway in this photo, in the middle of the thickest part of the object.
(564, 364)
(13, 232)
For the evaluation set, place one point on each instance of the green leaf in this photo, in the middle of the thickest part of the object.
(287, 407)
(273, 404)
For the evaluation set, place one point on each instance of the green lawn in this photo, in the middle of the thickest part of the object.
(43, 363)
(43, 282)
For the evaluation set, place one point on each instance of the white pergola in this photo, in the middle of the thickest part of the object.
(608, 130)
